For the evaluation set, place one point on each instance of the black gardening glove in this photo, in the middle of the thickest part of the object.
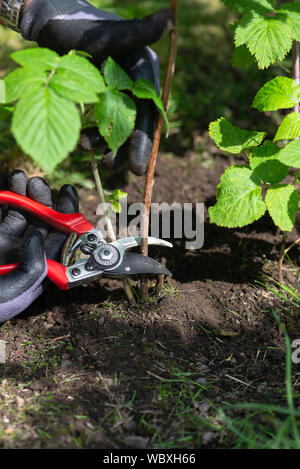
(29, 241)
(63, 25)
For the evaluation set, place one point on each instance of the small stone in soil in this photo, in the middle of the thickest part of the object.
(136, 442)
(201, 381)
(207, 437)
(204, 407)
(66, 363)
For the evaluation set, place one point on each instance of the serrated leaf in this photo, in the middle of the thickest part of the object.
(244, 6)
(115, 76)
(23, 80)
(233, 139)
(39, 58)
(269, 39)
(289, 128)
(144, 89)
(2, 91)
(264, 162)
(239, 198)
(73, 87)
(115, 116)
(282, 202)
(292, 12)
(279, 93)
(241, 57)
(84, 70)
(46, 126)
(290, 154)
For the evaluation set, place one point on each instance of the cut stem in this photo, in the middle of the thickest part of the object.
(110, 229)
(152, 162)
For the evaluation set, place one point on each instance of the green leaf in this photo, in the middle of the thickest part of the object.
(264, 162)
(116, 206)
(6, 111)
(144, 89)
(23, 80)
(282, 202)
(244, 6)
(2, 91)
(83, 53)
(241, 57)
(239, 199)
(115, 116)
(46, 126)
(292, 12)
(117, 194)
(289, 128)
(114, 200)
(82, 68)
(73, 87)
(290, 154)
(38, 58)
(269, 39)
(115, 76)
(233, 139)
(279, 93)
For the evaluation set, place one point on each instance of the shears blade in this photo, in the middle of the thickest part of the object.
(137, 264)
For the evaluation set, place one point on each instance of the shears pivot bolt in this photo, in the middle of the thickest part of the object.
(91, 238)
(75, 272)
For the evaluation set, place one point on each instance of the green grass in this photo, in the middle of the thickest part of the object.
(288, 294)
(264, 426)
(177, 405)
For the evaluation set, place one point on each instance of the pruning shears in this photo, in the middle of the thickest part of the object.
(103, 259)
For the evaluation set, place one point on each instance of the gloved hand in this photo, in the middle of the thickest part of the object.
(29, 241)
(63, 25)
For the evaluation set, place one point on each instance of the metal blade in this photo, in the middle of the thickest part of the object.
(124, 244)
(135, 264)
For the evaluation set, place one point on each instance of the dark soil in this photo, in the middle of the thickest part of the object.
(84, 369)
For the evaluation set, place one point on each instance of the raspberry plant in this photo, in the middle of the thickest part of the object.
(265, 33)
(240, 193)
(266, 30)
(52, 96)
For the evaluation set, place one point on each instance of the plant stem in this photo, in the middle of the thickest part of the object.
(111, 233)
(289, 72)
(296, 177)
(296, 76)
(296, 68)
(283, 249)
(152, 162)
(282, 255)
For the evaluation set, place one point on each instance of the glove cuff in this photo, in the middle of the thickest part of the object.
(10, 13)
(32, 21)
(13, 307)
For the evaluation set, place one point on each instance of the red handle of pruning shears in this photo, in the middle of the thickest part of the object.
(57, 273)
(68, 223)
